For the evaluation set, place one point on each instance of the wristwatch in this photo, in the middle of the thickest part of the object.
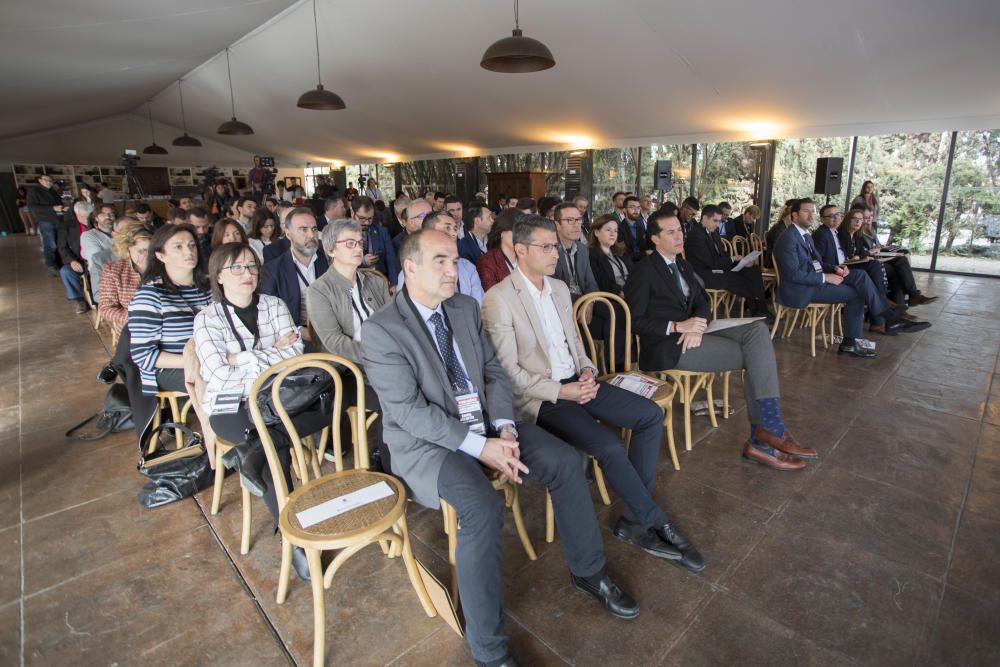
(508, 428)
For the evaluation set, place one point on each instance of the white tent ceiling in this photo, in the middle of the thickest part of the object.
(627, 72)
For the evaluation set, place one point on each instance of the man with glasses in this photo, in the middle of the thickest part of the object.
(689, 209)
(380, 252)
(290, 274)
(469, 282)
(412, 218)
(573, 267)
(45, 203)
(528, 319)
(633, 228)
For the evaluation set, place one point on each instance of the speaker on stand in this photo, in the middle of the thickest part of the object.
(828, 172)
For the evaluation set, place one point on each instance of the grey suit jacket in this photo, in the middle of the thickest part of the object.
(420, 420)
(331, 314)
(588, 283)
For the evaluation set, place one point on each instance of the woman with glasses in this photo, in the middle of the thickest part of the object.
(339, 302)
(237, 338)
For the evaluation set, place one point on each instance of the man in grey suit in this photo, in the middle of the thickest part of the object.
(447, 411)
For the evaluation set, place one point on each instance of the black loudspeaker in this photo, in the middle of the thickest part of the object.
(663, 175)
(828, 170)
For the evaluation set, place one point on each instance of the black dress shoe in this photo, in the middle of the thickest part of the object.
(856, 350)
(614, 599)
(107, 375)
(645, 539)
(692, 560)
(301, 564)
(914, 326)
(506, 661)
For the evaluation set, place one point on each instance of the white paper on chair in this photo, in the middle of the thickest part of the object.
(745, 262)
(340, 504)
(637, 384)
(729, 323)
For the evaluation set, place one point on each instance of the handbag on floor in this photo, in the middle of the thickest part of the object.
(114, 417)
(174, 474)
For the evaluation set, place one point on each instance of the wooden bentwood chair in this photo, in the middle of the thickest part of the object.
(382, 522)
(812, 315)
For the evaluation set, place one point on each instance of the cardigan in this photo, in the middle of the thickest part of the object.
(119, 281)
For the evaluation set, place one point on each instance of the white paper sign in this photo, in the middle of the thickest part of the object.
(745, 262)
(340, 504)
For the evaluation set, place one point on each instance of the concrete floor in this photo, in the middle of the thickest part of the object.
(883, 552)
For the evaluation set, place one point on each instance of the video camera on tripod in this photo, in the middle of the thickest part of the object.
(267, 165)
(130, 184)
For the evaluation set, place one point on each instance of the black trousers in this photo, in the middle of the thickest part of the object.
(464, 485)
(900, 276)
(631, 474)
(238, 427)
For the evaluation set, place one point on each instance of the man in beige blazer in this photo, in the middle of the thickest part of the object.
(529, 321)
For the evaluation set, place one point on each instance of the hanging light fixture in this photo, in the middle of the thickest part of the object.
(517, 54)
(185, 140)
(152, 149)
(233, 126)
(318, 98)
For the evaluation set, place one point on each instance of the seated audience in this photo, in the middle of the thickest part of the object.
(262, 231)
(806, 279)
(478, 222)
(632, 228)
(334, 208)
(218, 202)
(96, 241)
(244, 209)
(290, 274)
(499, 259)
(555, 386)
(609, 258)
(279, 244)
(618, 206)
(68, 245)
(121, 278)
(421, 351)
(237, 338)
(392, 218)
(468, 278)
(725, 224)
(711, 261)
(546, 205)
(898, 271)
(583, 205)
(688, 213)
(143, 213)
(436, 200)
(526, 205)
(670, 314)
(573, 266)
(777, 229)
(453, 207)
(380, 253)
(177, 215)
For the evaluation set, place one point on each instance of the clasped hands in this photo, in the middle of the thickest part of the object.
(691, 331)
(503, 454)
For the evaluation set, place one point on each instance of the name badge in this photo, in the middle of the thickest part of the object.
(817, 266)
(227, 402)
(470, 411)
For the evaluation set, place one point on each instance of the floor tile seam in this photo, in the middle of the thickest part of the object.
(73, 507)
(728, 494)
(20, 454)
(882, 482)
(538, 638)
(416, 645)
(688, 623)
(251, 594)
(721, 583)
(942, 412)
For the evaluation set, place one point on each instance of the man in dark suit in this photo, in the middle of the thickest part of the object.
(478, 223)
(632, 230)
(725, 223)
(426, 355)
(68, 244)
(688, 215)
(670, 313)
(380, 253)
(745, 224)
(805, 279)
(288, 275)
(334, 208)
(704, 250)
(413, 219)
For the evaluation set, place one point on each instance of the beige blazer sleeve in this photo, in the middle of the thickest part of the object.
(500, 322)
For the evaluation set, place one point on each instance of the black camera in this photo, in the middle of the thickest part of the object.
(129, 158)
(267, 162)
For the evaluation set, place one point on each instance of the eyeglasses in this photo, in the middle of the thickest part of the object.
(350, 244)
(832, 215)
(240, 269)
(571, 221)
(546, 248)
(363, 220)
(419, 216)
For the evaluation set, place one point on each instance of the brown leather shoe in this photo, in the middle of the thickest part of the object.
(779, 460)
(786, 443)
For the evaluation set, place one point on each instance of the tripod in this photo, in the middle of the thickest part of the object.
(132, 186)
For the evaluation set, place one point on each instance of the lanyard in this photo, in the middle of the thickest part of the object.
(232, 325)
(510, 265)
(354, 304)
(301, 275)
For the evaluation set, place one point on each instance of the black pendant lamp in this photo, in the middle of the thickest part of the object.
(318, 98)
(152, 149)
(517, 54)
(233, 126)
(189, 142)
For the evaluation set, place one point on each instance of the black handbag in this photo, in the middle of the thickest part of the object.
(114, 417)
(299, 391)
(174, 474)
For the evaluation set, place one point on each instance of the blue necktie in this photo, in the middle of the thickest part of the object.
(811, 246)
(456, 374)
